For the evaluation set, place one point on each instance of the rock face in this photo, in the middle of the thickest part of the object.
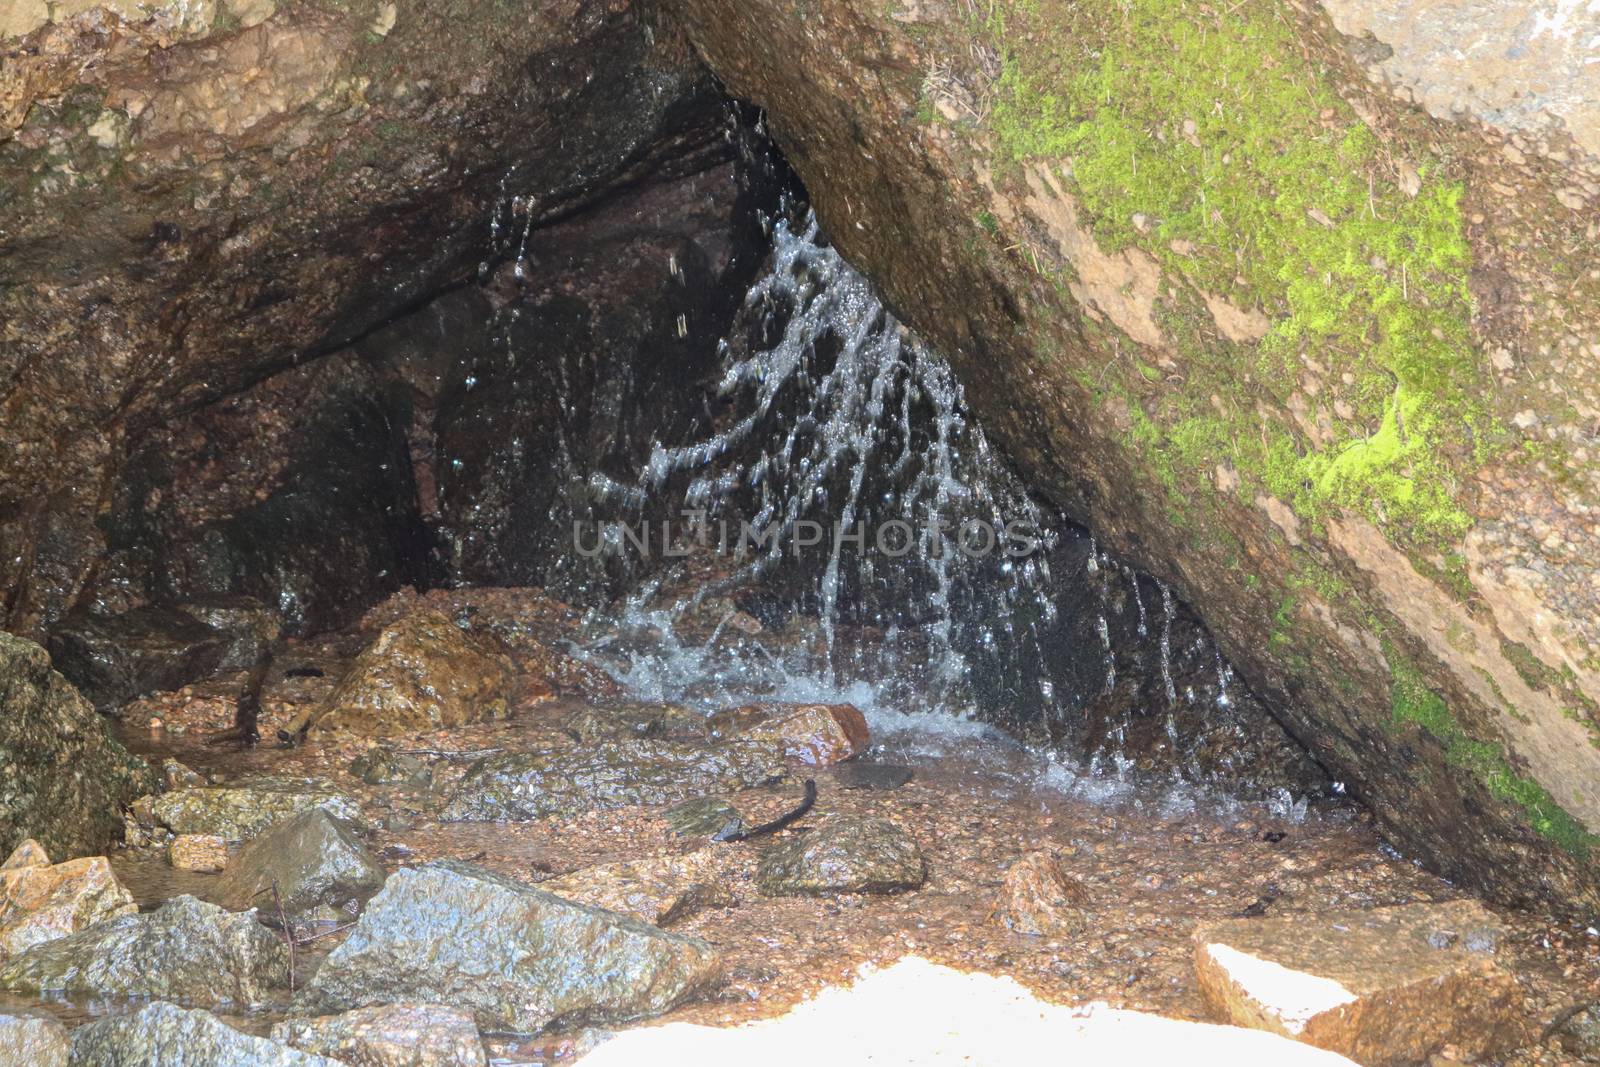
(521, 959)
(113, 660)
(1039, 897)
(319, 865)
(1385, 987)
(845, 854)
(197, 852)
(170, 165)
(1364, 449)
(240, 810)
(612, 774)
(186, 949)
(659, 890)
(36, 1040)
(390, 1035)
(421, 673)
(40, 902)
(167, 1034)
(63, 779)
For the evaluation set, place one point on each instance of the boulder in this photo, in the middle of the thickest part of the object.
(843, 854)
(42, 901)
(1384, 987)
(1040, 898)
(390, 1035)
(813, 734)
(114, 659)
(522, 959)
(177, 775)
(34, 1040)
(660, 890)
(420, 673)
(197, 852)
(611, 774)
(381, 765)
(312, 865)
(702, 816)
(1378, 487)
(186, 949)
(165, 1035)
(63, 778)
(240, 810)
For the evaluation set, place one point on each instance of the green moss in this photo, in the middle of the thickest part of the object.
(1413, 702)
(1220, 138)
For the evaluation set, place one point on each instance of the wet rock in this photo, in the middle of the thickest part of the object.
(197, 852)
(390, 1035)
(28, 854)
(240, 810)
(882, 776)
(659, 890)
(165, 1034)
(65, 777)
(844, 854)
(186, 949)
(250, 626)
(421, 673)
(621, 722)
(702, 816)
(813, 734)
(1387, 986)
(520, 958)
(175, 775)
(312, 865)
(114, 659)
(1039, 897)
(33, 1039)
(381, 765)
(1581, 1034)
(612, 774)
(40, 902)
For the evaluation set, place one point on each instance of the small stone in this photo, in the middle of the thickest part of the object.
(813, 734)
(1387, 986)
(381, 765)
(43, 901)
(312, 866)
(35, 1040)
(1038, 897)
(519, 958)
(701, 817)
(186, 950)
(176, 775)
(844, 854)
(163, 1034)
(660, 890)
(197, 852)
(390, 1035)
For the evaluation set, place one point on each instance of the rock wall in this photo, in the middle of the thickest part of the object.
(200, 194)
(1325, 360)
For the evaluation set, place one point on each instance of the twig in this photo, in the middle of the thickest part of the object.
(476, 753)
(288, 931)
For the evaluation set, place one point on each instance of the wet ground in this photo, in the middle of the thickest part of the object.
(1156, 860)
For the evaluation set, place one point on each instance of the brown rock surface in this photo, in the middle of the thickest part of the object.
(1385, 987)
(659, 890)
(422, 673)
(1039, 897)
(813, 734)
(42, 901)
(390, 1035)
(198, 852)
